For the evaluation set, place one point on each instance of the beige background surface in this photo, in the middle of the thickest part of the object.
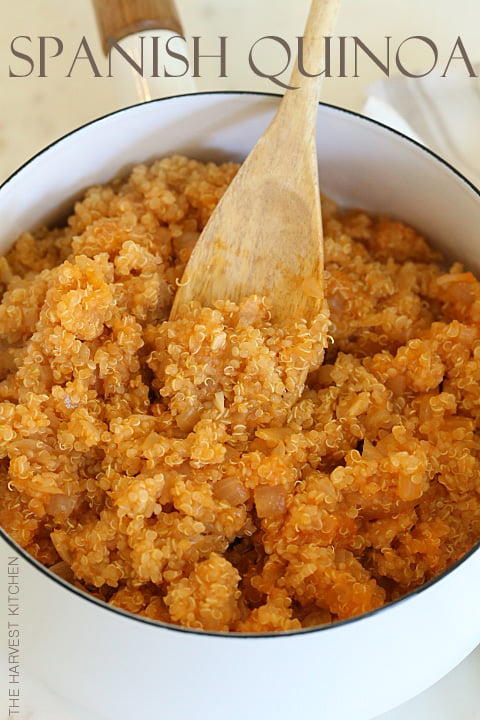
(35, 111)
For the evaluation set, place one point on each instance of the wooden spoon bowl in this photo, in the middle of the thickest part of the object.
(265, 235)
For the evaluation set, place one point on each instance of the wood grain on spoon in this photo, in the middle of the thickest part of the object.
(265, 235)
(119, 18)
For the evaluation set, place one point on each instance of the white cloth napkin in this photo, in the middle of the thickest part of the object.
(440, 112)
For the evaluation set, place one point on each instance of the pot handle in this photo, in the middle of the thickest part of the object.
(153, 72)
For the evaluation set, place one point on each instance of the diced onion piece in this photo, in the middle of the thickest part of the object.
(188, 418)
(232, 490)
(219, 401)
(61, 504)
(409, 490)
(462, 292)
(270, 501)
(274, 435)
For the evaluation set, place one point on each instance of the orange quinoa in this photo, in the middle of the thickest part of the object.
(181, 469)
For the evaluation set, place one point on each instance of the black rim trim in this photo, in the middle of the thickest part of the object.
(206, 633)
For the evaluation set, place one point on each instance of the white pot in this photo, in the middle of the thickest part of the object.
(123, 667)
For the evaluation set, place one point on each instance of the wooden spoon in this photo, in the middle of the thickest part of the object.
(119, 18)
(265, 235)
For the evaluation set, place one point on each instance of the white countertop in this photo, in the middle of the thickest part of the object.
(37, 110)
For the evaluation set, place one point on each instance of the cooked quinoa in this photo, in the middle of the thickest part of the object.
(182, 470)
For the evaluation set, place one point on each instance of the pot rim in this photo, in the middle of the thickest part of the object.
(207, 633)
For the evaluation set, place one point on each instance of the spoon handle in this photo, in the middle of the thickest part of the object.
(119, 18)
(307, 78)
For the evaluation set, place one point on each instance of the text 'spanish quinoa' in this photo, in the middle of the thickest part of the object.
(181, 469)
